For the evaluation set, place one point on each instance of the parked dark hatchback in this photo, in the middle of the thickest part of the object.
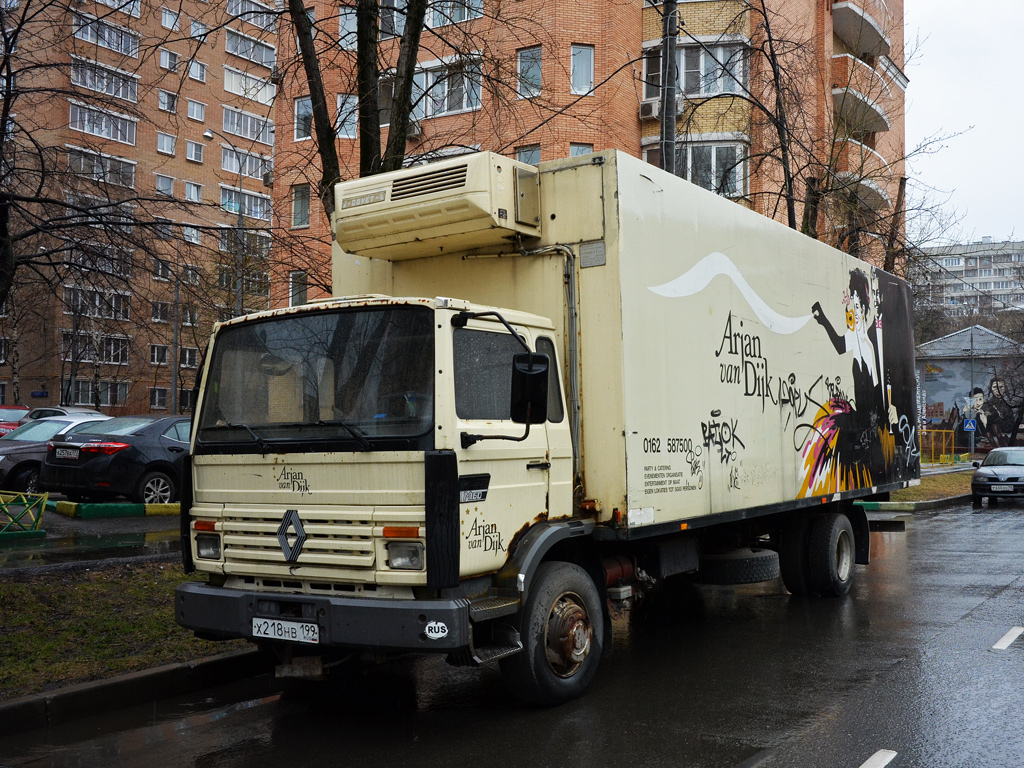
(999, 476)
(139, 457)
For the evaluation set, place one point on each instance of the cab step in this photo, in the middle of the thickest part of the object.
(488, 608)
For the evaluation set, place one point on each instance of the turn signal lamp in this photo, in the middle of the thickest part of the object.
(104, 448)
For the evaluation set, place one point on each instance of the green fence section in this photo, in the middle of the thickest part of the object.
(21, 516)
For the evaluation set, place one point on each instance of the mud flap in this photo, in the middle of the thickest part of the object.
(441, 480)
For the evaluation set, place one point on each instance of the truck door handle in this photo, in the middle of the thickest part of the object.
(541, 465)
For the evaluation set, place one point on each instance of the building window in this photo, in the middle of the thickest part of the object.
(161, 269)
(105, 80)
(392, 18)
(165, 143)
(711, 70)
(716, 167)
(105, 35)
(81, 347)
(248, 126)
(446, 90)
(197, 71)
(347, 28)
(249, 48)
(165, 185)
(529, 154)
(191, 234)
(196, 110)
(167, 101)
(199, 31)
(189, 316)
(575, 150)
(249, 86)
(102, 168)
(169, 19)
(303, 118)
(161, 312)
(297, 288)
(189, 357)
(253, 205)
(346, 123)
(455, 12)
(168, 60)
(191, 274)
(131, 7)
(86, 302)
(193, 192)
(300, 205)
(158, 398)
(249, 165)
(257, 14)
(582, 69)
(194, 151)
(107, 125)
(158, 354)
(528, 72)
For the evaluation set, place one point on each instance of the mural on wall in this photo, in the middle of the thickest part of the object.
(853, 419)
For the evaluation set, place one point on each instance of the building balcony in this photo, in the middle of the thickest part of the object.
(864, 172)
(859, 24)
(860, 95)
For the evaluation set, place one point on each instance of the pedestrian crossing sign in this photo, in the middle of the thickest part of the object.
(970, 425)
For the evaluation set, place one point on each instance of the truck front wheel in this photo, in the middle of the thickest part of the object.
(831, 554)
(561, 628)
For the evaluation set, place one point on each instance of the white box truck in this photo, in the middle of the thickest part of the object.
(540, 393)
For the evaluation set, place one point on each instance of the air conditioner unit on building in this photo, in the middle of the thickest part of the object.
(268, 178)
(276, 76)
(650, 110)
(415, 129)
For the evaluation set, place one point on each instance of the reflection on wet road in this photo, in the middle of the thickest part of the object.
(903, 672)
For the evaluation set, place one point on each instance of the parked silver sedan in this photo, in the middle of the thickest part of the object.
(22, 451)
(999, 476)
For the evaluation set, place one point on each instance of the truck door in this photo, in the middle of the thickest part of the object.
(503, 484)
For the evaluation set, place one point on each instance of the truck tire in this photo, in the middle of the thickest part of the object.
(739, 566)
(976, 499)
(561, 627)
(830, 555)
(794, 541)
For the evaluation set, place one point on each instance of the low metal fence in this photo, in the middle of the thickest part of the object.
(21, 515)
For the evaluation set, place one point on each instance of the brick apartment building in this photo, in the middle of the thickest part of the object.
(138, 140)
(166, 113)
(543, 80)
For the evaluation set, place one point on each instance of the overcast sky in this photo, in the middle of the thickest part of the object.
(965, 75)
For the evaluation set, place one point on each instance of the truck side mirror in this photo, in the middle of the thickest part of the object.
(529, 388)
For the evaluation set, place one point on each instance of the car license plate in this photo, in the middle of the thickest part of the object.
(292, 631)
(66, 453)
(1002, 487)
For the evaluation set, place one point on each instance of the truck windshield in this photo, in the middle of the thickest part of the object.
(347, 376)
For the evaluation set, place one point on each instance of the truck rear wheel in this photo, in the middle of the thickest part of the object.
(831, 555)
(562, 630)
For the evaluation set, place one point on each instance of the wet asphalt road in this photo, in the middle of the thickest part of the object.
(718, 678)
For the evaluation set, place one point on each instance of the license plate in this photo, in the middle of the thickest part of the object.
(1002, 487)
(66, 453)
(292, 631)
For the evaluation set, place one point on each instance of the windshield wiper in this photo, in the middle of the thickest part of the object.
(259, 440)
(356, 434)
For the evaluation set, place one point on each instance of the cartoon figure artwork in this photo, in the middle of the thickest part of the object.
(853, 441)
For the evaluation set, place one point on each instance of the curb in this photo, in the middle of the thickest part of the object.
(911, 506)
(41, 710)
(98, 511)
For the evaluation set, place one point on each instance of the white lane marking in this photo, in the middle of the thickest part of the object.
(881, 758)
(1007, 640)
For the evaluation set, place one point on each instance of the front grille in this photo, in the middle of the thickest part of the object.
(334, 540)
(426, 183)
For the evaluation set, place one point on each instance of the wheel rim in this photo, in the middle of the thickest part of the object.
(568, 636)
(157, 491)
(32, 483)
(844, 556)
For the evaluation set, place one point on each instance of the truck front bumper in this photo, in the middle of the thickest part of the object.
(427, 626)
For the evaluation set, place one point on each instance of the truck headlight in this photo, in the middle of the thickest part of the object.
(208, 546)
(405, 555)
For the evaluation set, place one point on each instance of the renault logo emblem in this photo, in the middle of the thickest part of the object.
(291, 525)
